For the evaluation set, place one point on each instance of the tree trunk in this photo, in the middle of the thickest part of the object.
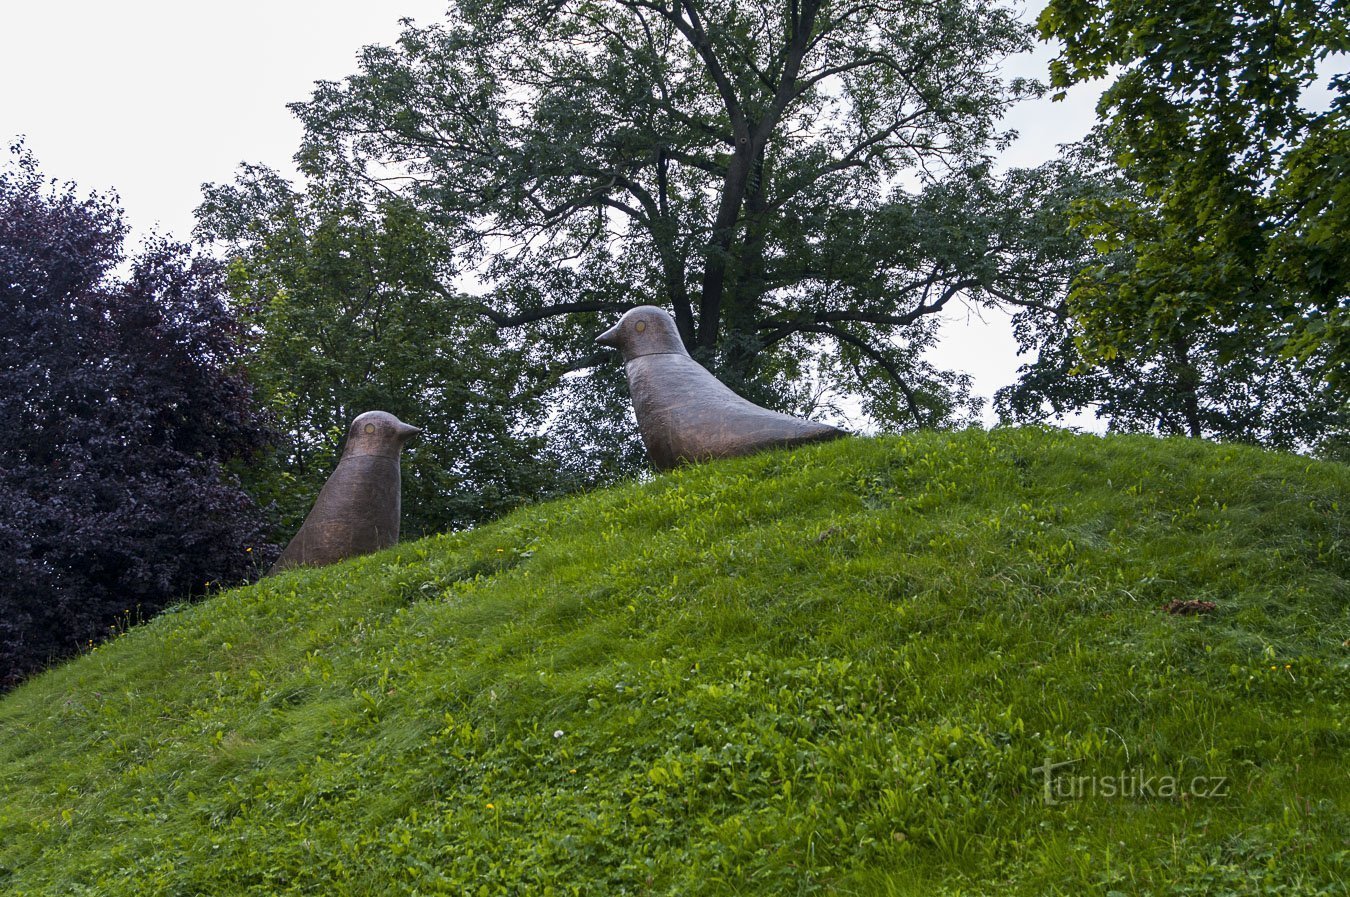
(719, 247)
(665, 235)
(1188, 385)
(742, 303)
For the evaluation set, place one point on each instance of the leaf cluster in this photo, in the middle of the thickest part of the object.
(343, 297)
(1235, 220)
(125, 408)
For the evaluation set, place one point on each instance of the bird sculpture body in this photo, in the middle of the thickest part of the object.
(357, 511)
(686, 414)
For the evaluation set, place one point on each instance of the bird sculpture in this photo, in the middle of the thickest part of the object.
(357, 511)
(686, 414)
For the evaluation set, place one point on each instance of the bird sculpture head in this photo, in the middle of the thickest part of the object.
(645, 330)
(378, 433)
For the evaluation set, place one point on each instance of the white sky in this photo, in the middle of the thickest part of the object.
(154, 98)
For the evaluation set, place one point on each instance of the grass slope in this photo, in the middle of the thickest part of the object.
(836, 670)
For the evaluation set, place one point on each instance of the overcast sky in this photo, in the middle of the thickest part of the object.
(153, 98)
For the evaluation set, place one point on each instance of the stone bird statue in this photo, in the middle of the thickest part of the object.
(357, 511)
(685, 413)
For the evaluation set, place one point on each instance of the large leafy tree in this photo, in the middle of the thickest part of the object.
(124, 408)
(1235, 233)
(341, 293)
(784, 177)
(1205, 380)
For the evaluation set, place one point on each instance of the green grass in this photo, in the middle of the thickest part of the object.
(834, 671)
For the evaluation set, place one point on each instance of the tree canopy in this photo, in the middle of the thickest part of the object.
(344, 314)
(1205, 380)
(124, 409)
(785, 177)
(1237, 224)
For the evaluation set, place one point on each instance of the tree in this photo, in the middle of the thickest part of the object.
(775, 174)
(123, 407)
(341, 296)
(1206, 380)
(1238, 221)
(1192, 388)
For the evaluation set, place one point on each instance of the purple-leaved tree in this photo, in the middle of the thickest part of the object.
(123, 408)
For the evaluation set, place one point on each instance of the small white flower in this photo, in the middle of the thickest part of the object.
(558, 733)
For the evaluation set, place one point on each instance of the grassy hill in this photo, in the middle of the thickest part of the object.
(838, 670)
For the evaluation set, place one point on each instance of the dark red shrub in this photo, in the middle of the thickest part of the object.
(123, 406)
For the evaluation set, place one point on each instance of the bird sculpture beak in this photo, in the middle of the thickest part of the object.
(610, 337)
(407, 431)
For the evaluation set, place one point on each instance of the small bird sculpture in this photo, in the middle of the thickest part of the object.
(684, 413)
(357, 511)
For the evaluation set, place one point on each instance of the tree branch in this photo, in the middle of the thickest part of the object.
(877, 358)
(531, 315)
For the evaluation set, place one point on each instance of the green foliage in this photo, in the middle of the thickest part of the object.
(341, 290)
(738, 164)
(1252, 397)
(1236, 228)
(1204, 380)
(835, 670)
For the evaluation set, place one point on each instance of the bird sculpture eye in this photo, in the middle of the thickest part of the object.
(370, 428)
(640, 326)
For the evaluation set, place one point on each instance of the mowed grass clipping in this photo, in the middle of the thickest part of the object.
(838, 670)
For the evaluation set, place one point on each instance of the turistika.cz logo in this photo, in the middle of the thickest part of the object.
(1060, 784)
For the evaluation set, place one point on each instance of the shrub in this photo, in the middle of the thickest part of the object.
(123, 408)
